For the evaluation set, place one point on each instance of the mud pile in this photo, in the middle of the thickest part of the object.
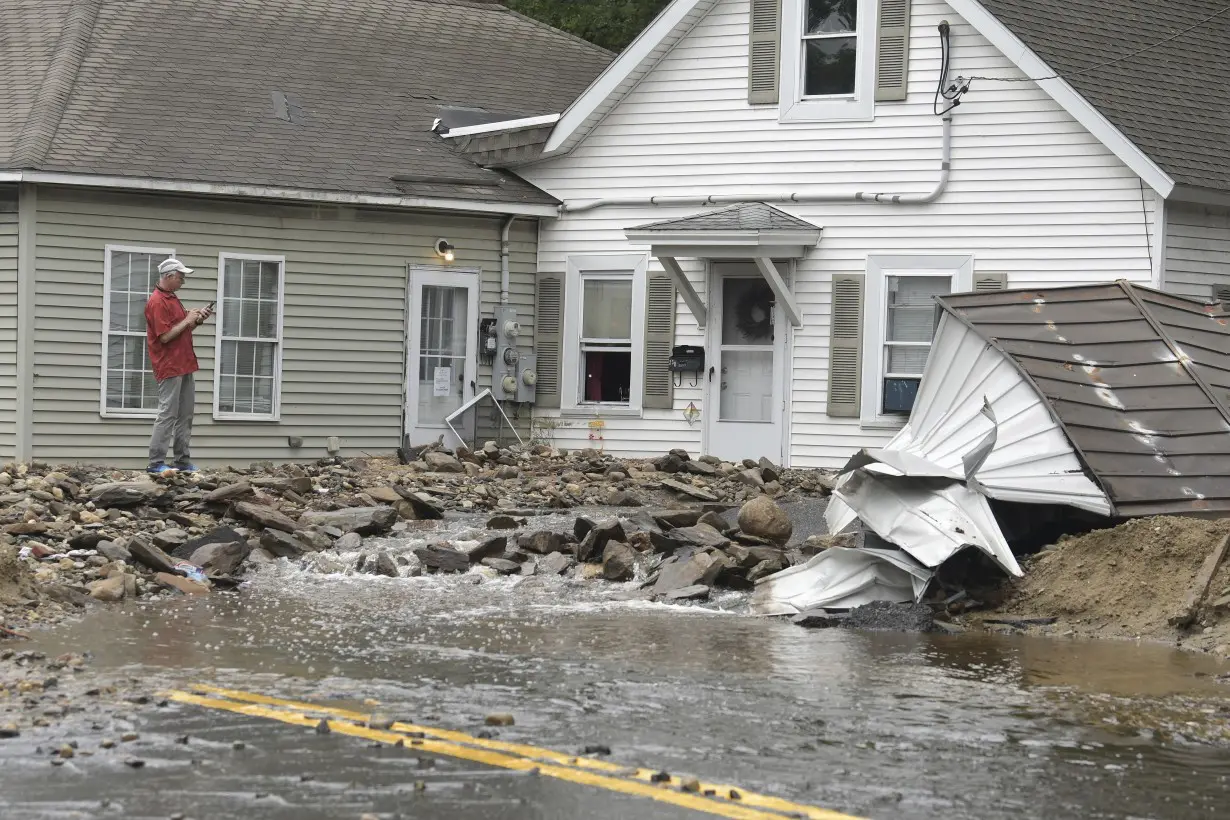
(1130, 581)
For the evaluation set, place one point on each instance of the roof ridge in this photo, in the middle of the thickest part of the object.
(1184, 361)
(39, 130)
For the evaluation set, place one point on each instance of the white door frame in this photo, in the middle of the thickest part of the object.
(420, 275)
(714, 271)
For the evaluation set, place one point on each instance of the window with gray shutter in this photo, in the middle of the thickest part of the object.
(548, 336)
(845, 345)
(990, 281)
(659, 337)
(764, 46)
(893, 50)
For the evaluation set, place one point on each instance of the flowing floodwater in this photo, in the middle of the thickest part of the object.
(881, 725)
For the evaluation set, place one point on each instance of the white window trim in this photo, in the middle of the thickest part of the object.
(103, 410)
(276, 415)
(875, 319)
(859, 107)
(570, 366)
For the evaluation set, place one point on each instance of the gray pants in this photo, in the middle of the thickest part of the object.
(176, 397)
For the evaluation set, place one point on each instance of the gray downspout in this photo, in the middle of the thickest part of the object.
(505, 227)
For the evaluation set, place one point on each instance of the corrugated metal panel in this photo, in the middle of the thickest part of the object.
(344, 317)
(1136, 377)
(8, 321)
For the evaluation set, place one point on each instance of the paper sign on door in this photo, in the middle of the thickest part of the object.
(443, 385)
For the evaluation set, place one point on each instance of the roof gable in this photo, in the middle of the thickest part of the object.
(1172, 101)
(755, 216)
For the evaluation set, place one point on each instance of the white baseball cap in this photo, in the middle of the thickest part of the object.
(172, 265)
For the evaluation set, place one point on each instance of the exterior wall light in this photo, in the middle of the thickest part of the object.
(444, 249)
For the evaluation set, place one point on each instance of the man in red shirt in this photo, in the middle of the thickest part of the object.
(168, 331)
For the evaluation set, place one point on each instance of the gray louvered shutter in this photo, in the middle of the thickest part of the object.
(990, 281)
(846, 346)
(659, 337)
(548, 337)
(764, 45)
(893, 50)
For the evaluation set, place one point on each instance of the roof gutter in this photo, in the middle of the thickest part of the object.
(732, 199)
(269, 192)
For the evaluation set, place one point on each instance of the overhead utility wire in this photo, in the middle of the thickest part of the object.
(1128, 56)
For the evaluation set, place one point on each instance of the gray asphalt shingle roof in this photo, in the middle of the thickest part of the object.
(1172, 101)
(178, 90)
(755, 216)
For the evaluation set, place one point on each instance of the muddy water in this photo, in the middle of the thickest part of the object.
(876, 724)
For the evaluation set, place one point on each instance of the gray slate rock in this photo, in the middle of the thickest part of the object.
(124, 494)
(502, 566)
(221, 558)
(349, 542)
(222, 535)
(143, 552)
(168, 540)
(443, 558)
(543, 542)
(557, 563)
(490, 548)
(227, 492)
(424, 506)
(281, 544)
(363, 520)
(503, 522)
(595, 541)
(702, 535)
(696, 592)
(267, 517)
(677, 573)
(386, 566)
(113, 551)
(688, 489)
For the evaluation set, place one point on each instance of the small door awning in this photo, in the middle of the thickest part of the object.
(754, 231)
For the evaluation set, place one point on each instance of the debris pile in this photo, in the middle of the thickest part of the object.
(1142, 579)
(73, 534)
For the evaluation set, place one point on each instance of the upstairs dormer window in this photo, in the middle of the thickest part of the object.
(830, 48)
(827, 60)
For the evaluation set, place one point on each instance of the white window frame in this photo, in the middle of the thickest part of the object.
(276, 415)
(103, 409)
(602, 266)
(959, 269)
(856, 107)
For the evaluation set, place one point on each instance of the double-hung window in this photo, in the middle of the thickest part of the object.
(604, 357)
(828, 60)
(900, 319)
(248, 369)
(129, 277)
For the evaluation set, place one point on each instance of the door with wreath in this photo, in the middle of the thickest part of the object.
(746, 367)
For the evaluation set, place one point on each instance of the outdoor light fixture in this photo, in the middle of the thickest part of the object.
(444, 249)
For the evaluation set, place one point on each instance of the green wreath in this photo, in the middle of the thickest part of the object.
(754, 314)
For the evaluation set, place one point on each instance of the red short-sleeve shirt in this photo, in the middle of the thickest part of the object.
(164, 311)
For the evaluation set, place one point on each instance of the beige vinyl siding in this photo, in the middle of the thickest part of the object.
(8, 321)
(1197, 249)
(343, 320)
(1032, 195)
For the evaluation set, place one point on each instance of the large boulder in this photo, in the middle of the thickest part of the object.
(543, 542)
(223, 559)
(281, 544)
(763, 518)
(677, 573)
(618, 561)
(363, 520)
(443, 558)
(599, 535)
(702, 535)
(438, 462)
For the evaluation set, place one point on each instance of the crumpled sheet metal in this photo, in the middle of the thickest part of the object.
(842, 578)
(932, 519)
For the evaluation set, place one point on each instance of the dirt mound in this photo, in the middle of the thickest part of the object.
(1125, 582)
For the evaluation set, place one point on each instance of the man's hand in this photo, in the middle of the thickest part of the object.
(196, 316)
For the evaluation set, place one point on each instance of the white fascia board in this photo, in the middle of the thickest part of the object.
(737, 239)
(502, 126)
(622, 68)
(268, 192)
(1063, 94)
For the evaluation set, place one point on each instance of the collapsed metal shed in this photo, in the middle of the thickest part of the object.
(1111, 399)
(1137, 379)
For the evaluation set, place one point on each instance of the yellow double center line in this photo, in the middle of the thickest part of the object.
(711, 798)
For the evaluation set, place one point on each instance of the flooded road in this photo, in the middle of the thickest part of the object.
(874, 724)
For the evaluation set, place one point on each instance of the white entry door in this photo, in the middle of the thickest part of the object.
(745, 368)
(442, 360)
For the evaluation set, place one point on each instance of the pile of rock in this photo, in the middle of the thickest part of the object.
(109, 535)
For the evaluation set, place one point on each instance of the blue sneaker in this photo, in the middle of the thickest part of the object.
(160, 469)
(186, 467)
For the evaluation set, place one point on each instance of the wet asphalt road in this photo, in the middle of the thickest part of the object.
(874, 724)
